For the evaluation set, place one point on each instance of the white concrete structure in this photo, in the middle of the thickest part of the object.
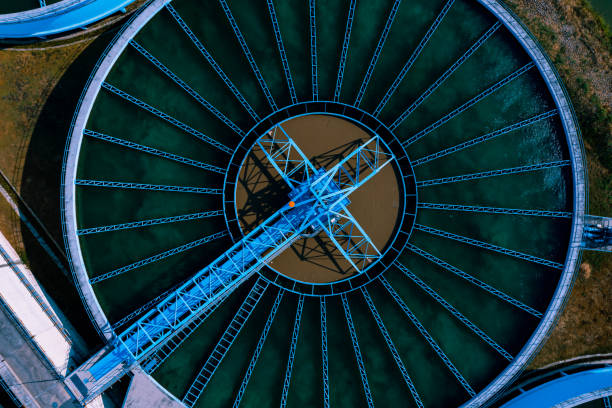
(30, 307)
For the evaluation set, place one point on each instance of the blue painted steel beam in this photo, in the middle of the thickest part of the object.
(166, 117)
(607, 403)
(195, 95)
(415, 321)
(415, 54)
(211, 61)
(493, 173)
(149, 222)
(377, 51)
(436, 84)
(484, 138)
(291, 163)
(164, 349)
(204, 289)
(281, 50)
(358, 357)
(294, 339)
(457, 314)
(324, 352)
(258, 348)
(225, 343)
(396, 356)
(153, 151)
(350, 238)
(488, 246)
(497, 293)
(286, 157)
(248, 55)
(157, 257)
(494, 210)
(313, 50)
(345, 47)
(466, 105)
(142, 309)
(151, 187)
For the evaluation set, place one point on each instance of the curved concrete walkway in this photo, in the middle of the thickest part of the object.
(58, 18)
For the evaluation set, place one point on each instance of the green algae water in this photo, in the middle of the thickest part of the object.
(528, 282)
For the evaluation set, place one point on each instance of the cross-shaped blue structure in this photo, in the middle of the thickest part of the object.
(317, 203)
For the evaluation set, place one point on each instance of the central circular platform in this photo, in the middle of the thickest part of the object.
(326, 132)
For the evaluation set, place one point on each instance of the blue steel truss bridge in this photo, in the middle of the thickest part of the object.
(333, 204)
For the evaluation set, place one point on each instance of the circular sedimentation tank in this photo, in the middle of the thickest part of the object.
(477, 219)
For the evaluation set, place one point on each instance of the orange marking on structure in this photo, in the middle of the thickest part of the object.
(291, 204)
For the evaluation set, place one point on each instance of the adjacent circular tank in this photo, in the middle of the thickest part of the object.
(38, 19)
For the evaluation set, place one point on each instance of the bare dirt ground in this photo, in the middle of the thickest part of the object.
(580, 45)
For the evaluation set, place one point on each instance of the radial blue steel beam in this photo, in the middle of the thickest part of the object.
(195, 95)
(258, 348)
(447, 74)
(358, 357)
(396, 356)
(225, 343)
(494, 210)
(313, 50)
(166, 117)
(324, 352)
(248, 54)
(493, 173)
(475, 329)
(352, 171)
(495, 292)
(415, 321)
(484, 138)
(153, 151)
(488, 246)
(151, 187)
(157, 257)
(281, 50)
(149, 222)
(344, 51)
(164, 349)
(211, 61)
(292, 347)
(466, 105)
(142, 309)
(415, 54)
(377, 51)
